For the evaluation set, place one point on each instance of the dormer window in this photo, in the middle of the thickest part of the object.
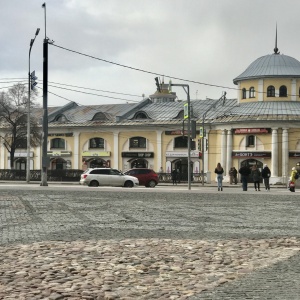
(271, 91)
(141, 115)
(252, 92)
(100, 116)
(283, 91)
(61, 119)
(243, 93)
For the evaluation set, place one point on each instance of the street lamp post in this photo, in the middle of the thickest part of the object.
(28, 111)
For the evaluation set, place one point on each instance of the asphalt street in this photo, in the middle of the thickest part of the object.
(31, 213)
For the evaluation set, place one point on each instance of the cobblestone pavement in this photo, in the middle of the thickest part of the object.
(148, 244)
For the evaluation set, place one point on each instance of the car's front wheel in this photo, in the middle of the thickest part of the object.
(152, 184)
(94, 183)
(128, 184)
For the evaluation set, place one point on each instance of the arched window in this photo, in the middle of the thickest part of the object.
(271, 91)
(283, 91)
(250, 141)
(252, 92)
(140, 115)
(97, 143)
(243, 93)
(137, 142)
(58, 143)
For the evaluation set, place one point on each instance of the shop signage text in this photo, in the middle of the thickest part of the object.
(294, 154)
(251, 130)
(251, 154)
(61, 134)
(138, 154)
(59, 153)
(96, 153)
(181, 154)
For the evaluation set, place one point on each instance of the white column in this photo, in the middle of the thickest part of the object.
(285, 154)
(274, 170)
(229, 151)
(223, 150)
(38, 158)
(76, 163)
(159, 151)
(2, 155)
(115, 162)
(294, 90)
(260, 90)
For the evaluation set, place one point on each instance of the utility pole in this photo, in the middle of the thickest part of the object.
(45, 160)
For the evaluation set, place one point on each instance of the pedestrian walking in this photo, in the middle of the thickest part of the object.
(266, 174)
(219, 171)
(245, 171)
(256, 175)
(233, 175)
(174, 176)
(293, 178)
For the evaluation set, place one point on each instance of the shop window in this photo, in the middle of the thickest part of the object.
(181, 142)
(58, 143)
(243, 93)
(252, 92)
(283, 91)
(59, 164)
(97, 143)
(137, 142)
(271, 91)
(250, 141)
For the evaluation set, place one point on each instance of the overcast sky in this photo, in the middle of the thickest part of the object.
(206, 41)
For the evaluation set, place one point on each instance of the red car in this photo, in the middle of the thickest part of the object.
(146, 177)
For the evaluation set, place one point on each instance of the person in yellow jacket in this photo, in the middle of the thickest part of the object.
(293, 178)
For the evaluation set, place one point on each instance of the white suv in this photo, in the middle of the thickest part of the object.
(107, 177)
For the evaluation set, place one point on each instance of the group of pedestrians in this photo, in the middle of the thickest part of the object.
(245, 172)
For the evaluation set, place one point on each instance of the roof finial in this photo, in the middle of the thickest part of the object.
(276, 49)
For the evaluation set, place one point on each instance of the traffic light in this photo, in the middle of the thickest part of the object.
(33, 80)
(193, 129)
(157, 84)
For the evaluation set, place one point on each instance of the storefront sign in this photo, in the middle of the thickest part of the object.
(96, 153)
(138, 154)
(251, 130)
(294, 154)
(251, 154)
(61, 134)
(23, 154)
(59, 153)
(181, 154)
(179, 132)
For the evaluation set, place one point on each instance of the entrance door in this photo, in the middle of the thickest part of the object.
(250, 163)
(181, 165)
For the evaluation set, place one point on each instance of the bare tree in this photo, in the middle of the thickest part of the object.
(13, 121)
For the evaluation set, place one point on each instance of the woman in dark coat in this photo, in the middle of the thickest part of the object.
(266, 174)
(219, 171)
(255, 173)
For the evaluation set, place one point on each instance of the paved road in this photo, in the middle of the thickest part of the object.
(30, 213)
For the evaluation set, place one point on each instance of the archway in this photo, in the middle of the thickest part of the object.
(58, 164)
(181, 165)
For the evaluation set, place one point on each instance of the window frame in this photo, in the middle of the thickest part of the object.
(250, 140)
(283, 91)
(98, 143)
(271, 91)
(252, 92)
(137, 142)
(58, 143)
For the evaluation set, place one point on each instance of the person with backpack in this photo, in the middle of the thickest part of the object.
(255, 173)
(266, 174)
(293, 178)
(245, 171)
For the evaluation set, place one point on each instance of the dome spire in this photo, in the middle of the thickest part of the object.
(276, 49)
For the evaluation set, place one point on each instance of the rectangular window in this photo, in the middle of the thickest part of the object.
(137, 142)
(97, 143)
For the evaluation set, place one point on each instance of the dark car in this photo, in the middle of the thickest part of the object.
(146, 177)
